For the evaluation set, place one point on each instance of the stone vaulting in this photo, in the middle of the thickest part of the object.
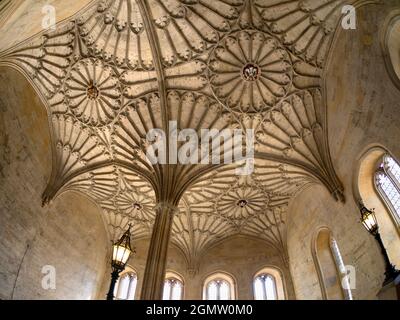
(119, 68)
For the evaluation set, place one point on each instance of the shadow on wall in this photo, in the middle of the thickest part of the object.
(55, 252)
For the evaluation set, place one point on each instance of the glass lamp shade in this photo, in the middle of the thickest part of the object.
(369, 220)
(120, 255)
(121, 251)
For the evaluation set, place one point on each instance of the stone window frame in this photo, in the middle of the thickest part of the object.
(132, 274)
(171, 276)
(220, 276)
(276, 274)
(390, 26)
(341, 268)
(337, 260)
(384, 169)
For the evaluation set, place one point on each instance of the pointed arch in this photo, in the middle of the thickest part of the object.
(268, 284)
(219, 285)
(369, 168)
(330, 267)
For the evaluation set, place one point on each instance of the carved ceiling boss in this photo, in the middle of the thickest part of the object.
(119, 68)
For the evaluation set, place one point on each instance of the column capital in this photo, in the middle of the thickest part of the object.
(172, 209)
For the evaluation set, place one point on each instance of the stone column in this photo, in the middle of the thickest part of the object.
(154, 274)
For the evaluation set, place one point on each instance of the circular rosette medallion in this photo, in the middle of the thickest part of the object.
(93, 92)
(250, 71)
(137, 206)
(240, 203)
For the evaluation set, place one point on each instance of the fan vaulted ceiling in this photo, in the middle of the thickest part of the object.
(121, 67)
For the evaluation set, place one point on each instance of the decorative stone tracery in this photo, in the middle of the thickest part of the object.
(93, 92)
(122, 67)
(250, 71)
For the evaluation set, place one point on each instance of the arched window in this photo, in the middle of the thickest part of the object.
(219, 286)
(265, 287)
(125, 287)
(377, 180)
(344, 280)
(391, 46)
(173, 287)
(268, 285)
(330, 267)
(387, 182)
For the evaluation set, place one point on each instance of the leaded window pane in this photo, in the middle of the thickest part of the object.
(389, 190)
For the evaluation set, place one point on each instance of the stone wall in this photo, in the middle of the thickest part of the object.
(358, 248)
(363, 111)
(240, 257)
(68, 234)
